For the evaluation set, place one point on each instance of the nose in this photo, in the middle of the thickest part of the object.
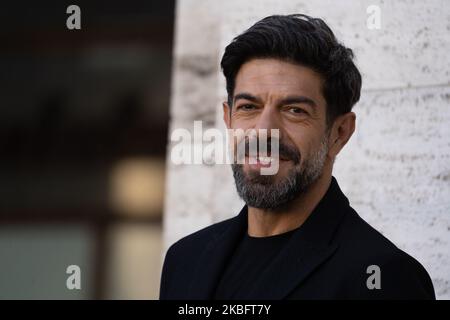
(267, 129)
(268, 120)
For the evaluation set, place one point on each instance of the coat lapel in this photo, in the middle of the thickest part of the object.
(213, 260)
(290, 269)
(310, 246)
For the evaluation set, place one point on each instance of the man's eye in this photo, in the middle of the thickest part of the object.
(246, 107)
(296, 110)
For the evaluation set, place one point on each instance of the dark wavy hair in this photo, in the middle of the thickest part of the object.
(303, 40)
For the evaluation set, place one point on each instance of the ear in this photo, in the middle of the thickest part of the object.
(341, 131)
(226, 114)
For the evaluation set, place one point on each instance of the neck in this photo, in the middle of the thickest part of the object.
(264, 223)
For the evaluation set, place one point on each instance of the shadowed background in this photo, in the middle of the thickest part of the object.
(83, 131)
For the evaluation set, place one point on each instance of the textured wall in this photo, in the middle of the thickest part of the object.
(396, 168)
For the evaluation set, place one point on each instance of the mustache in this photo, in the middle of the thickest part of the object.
(285, 151)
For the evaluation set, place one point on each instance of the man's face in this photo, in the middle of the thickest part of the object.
(273, 94)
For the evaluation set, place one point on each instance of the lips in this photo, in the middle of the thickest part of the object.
(265, 161)
(262, 161)
(259, 162)
(285, 152)
(267, 158)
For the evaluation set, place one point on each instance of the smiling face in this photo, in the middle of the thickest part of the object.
(274, 94)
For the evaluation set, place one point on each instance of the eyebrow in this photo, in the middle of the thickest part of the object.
(246, 96)
(284, 101)
(298, 99)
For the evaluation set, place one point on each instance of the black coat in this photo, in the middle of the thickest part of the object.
(326, 258)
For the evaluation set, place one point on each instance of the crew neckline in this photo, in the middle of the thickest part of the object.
(272, 237)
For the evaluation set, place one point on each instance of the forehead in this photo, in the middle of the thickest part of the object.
(273, 77)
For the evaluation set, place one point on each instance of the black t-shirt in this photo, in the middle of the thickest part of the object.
(251, 257)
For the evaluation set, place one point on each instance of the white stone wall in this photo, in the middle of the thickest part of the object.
(396, 168)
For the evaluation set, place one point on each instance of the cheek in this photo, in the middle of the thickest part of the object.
(304, 140)
(242, 122)
(314, 147)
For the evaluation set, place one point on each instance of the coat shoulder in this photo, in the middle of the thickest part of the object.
(363, 247)
(195, 241)
(181, 259)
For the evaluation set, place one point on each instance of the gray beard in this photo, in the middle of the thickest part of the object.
(260, 191)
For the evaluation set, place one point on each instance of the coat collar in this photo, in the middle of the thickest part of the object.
(309, 246)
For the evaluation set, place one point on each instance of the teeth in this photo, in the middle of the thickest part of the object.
(262, 160)
(265, 160)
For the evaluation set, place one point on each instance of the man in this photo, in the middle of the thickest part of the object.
(297, 237)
